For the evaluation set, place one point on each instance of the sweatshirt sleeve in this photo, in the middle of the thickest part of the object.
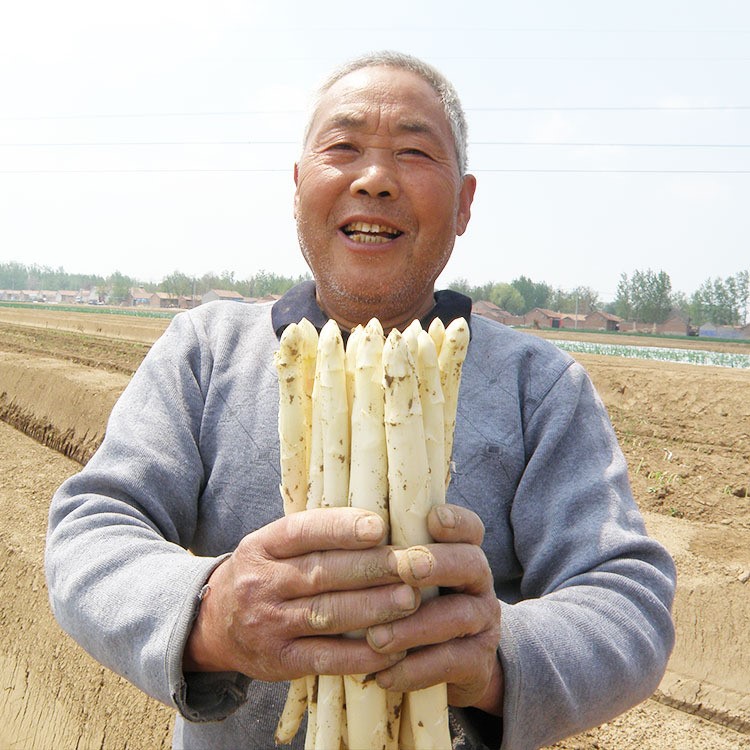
(592, 631)
(121, 580)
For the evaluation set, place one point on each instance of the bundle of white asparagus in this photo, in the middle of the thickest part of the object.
(369, 425)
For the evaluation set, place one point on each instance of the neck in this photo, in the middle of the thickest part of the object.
(362, 314)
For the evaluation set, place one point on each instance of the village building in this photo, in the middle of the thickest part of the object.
(137, 297)
(540, 317)
(66, 296)
(675, 324)
(711, 330)
(598, 320)
(212, 295)
(188, 301)
(490, 310)
(163, 301)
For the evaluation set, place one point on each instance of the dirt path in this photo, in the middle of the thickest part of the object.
(686, 434)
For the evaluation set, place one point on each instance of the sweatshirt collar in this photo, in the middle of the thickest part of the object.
(299, 302)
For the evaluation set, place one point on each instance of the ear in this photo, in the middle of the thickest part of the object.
(465, 198)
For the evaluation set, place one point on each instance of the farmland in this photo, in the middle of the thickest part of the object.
(684, 427)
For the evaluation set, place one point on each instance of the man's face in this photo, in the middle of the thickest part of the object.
(379, 199)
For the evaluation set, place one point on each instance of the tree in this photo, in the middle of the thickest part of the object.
(535, 294)
(119, 287)
(623, 306)
(651, 296)
(582, 300)
(177, 284)
(506, 297)
(13, 275)
(722, 301)
(461, 285)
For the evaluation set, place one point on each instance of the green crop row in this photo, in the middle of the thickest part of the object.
(661, 354)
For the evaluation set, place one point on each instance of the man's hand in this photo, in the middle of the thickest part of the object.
(452, 638)
(271, 606)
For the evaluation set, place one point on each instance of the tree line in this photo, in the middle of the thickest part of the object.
(15, 275)
(645, 295)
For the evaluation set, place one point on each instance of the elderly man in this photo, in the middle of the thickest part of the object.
(168, 558)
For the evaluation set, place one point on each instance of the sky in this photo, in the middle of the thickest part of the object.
(160, 135)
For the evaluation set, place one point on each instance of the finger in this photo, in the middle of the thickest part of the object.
(343, 612)
(467, 666)
(463, 567)
(306, 656)
(452, 523)
(439, 620)
(321, 529)
(337, 570)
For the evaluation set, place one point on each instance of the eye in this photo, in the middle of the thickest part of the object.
(415, 152)
(343, 146)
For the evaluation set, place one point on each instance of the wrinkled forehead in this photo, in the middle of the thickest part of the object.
(367, 95)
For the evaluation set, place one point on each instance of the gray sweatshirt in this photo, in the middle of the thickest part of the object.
(190, 464)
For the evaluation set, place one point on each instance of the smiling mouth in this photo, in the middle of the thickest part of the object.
(373, 234)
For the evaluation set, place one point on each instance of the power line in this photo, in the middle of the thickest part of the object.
(710, 108)
(65, 144)
(259, 112)
(609, 145)
(594, 58)
(287, 170)
(617, 171)
(154, 143)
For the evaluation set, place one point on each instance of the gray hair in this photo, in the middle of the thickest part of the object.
(440, 84)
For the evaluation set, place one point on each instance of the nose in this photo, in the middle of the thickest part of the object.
(376, 178)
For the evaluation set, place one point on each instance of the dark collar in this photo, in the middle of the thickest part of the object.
(299, 302)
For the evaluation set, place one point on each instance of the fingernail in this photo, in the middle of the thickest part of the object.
(384, 680)
(420, 562)
(380, 635)
(368, 528)
(446, 517)
(405, 598)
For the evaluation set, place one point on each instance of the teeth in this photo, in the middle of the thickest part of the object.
(370, 234)
(363, 226)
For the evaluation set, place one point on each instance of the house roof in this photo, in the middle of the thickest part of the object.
(485, 306)
(606, 316)
(548, 313)
(227, 294)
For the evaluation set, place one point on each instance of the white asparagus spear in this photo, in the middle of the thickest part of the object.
(330, 402)
(309, 335)
(394, 703)
(451, 360)
(368, 476)
(330, 721)
(408, 469)
(352, 344)
(293, 363)
(366, 704)
(436, 330)
(411, 334)
(330, 385)
(294, 710)
(410, 502)
(433, 414)
(293, 428)
(311, 685)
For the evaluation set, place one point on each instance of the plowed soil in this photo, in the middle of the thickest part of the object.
(685, 431)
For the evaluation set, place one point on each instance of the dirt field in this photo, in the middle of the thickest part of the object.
(685, 431)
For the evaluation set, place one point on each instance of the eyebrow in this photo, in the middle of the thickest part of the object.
(355, 121)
